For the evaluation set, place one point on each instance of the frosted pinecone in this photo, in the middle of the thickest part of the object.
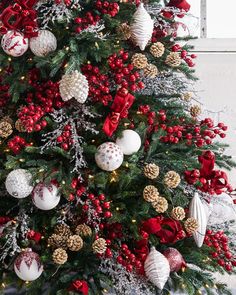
(99, 246)
(139, 61)
(157, 49)
(150, 71)
(75, 243)
(57, 241)
(191, 225)
(83, 230)
(5, 129)
(178, 213)
(150, 193)
(187, 96)
(173, 60)
(195, 111)
(59, 256)
(160, 205)
(172, 179)
(151, 171)
(63, 230)
(124, 31)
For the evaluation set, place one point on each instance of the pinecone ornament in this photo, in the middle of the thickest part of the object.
(160, 205)
(74, 85)
(139, 61)
(125, 31)
(7, 119)
(150, 71)
(151, 171)
(19, 126)
(195, 111)
(157, 49)
(172, 179)
(150, 193)
(57, 241)
(191, 225)
(178, 213)
(75, 243)
(5, 129)
(99, 246)
(59, 256)
(83, 230)
(63, 230)
(187, 96)
(173, 60)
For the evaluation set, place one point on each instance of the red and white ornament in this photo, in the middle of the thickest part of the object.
(45, 197)
(14, 43)
(129, 142)
(175, 259)
(109, 156)
(28, 266)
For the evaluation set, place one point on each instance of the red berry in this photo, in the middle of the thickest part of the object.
(106, 205)
(107, 214)
(129, 267)
(119, 259)
(221, 262)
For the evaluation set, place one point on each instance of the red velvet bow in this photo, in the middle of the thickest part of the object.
(80, 287)
(122, 102)
(181, 4)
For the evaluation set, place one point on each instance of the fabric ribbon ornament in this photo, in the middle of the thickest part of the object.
(180, 4)
(121, 104)
(80, 287)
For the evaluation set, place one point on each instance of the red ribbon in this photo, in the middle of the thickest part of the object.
(122, 103)
(80, 287)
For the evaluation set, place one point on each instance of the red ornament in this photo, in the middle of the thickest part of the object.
(79, 286)
(175, 259)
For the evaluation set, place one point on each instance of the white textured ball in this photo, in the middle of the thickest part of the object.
(43, 44)
(27, 266)
(45, 197)
(109, 156)
(14, 43)
(129, 142)
(18, 183)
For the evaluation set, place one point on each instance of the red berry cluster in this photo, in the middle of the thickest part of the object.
(124, 73)
(99, 84)
(16, 144)
(106, 7)
(83, 23)
(112, 230)
(4, 220)
(66, 2)
(78, 188)
(188, 58)
(219, 242)
(65, 139)
(159, 32)
(102, 206)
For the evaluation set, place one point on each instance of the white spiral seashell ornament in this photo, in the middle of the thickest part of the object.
(142, 27)
(157, 268)
(197, 211)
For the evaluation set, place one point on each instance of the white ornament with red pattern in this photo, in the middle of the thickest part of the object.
(129, 142)
(14, 43)
(109, 156)
(43, 44)
(28, 266)
(45, 197)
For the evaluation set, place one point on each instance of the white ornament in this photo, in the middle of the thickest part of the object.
(43, 44)
(197, 211)
(142, 27)
(14, 43)
(109, 156)
(157, 268)
(27, 265)
(129, 142)
(45, 197)
(74, 85)
(18, 183)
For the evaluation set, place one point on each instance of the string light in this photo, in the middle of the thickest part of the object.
(114, 176)
(207, 286)
(21, 160)
(3, 285)
(117, 209)
(22, 78)
(199, 292)
(41, 170)
(134, 220)
(183, 286)
(63, 182)
(66, 65)
(105, 290)
(67, 48)
(96, 45)
(9, 59)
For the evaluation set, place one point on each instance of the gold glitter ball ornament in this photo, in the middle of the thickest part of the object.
(178, 213)
(173, 60)
(160, 205)
(157, 49)
(75, 243)
(5, 129)
(83, 230)
(57, 241)
(60, 256)
(172, 179)
(150, 193)
(139, 61)
(150, 71)
(124, 31)
(151, 171)
(195, 111)
(191, 225)
(99, 246)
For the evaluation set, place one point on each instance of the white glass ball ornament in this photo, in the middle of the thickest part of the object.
(129, 142)
(109, 156)
(45, 197)
(14, 43)
(18, 183)
(43, 44)
(28, 266)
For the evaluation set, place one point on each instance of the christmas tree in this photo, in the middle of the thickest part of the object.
(108, 171)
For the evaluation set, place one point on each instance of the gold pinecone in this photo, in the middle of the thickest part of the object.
(191, 225)
(57, 241)
(83, 230)
(157, 49)
(195, 110)
(19, 126)
(63, 230)
(150, 71)
(5, 129)
(75, 243)
(139, 61)
(172, 179)
(173, 60)
(187, 96)
(160, 205)
(99, 246)
(151, 171)
(124, 31)
(178, 213)
(59, 256)
(150, 193)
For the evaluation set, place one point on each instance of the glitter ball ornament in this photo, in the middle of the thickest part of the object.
(124, 31)
(18, 183)
(5, 129)
(157, 49)
(175, 259)
(43, 44)
(75, 243)
(129, 142)
(139, 61)
(150, 71)
(74, 85)
(59, 256)
(99, 246)
(191, 225)
(45, 197)
(27, 265)
(173, 60)
(160, 205)
(14, 43)
(150, 193)
(57, 241)
(142, 27)
(151, 171)
(178, 213)
(109, 156)
(172, 179)
(195, 111)
(83, 230)
(157, 268)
